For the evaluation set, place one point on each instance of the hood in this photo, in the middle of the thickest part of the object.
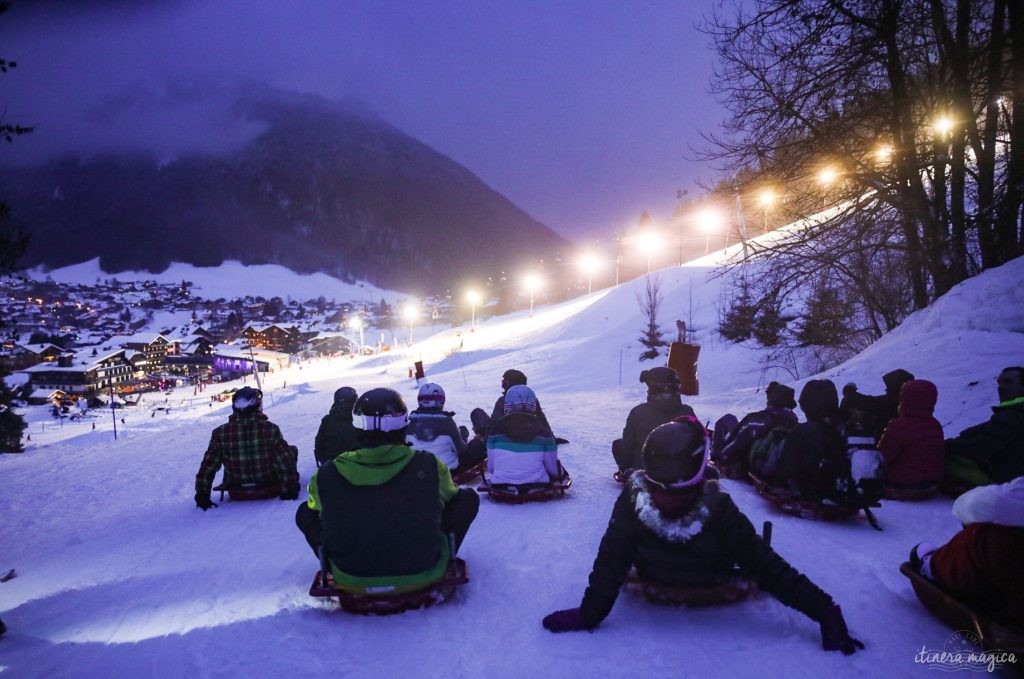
(917, 398)
(895, 380)
(342, 409)
(373, 466)
(681, 528)
(780, 396)
(819, 400)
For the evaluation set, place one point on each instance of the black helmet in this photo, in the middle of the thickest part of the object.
(380, 410)
(661, 380)
(247, 400)
(345, 394)
(675, 453)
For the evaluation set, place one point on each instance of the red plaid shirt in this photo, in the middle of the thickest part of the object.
(252, 450)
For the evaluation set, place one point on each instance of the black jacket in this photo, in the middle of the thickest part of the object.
(735, 454)
(499, 412)
(641, 421)
(805, 450)
(997, 445)
(336, 434)
(709, 544)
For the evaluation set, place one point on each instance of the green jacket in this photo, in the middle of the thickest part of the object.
(357, 494)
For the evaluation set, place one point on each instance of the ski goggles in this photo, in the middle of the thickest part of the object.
(704, 455)
(380, 422)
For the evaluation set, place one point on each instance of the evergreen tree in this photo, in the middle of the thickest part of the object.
(650, 302)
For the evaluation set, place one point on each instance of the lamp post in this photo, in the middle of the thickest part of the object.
(410, 313)
(356, 323)
(648, 242)
(532, 283)
(766, 197)
(589, 263)
(709, 221)
(474, 298)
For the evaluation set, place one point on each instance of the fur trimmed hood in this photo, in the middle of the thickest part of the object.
(681, 529)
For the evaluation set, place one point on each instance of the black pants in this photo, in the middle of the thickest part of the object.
(476, 452)
(620, 456)
(456, 518)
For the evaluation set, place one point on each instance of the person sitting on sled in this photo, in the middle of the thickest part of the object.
(336, 433)
(520, 448)
(433, 430)
(874, 412)
(993, 451)
(512, 378)
(384, 515)
(662, 405)
(733, 440)
(252, 451)
(912, 443)
(679, 529)
(981, 565)
(814, 452)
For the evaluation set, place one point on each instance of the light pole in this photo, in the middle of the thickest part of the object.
(356, 323)
(532, 282)
(474, 298)
(410, 313)
(589, 263)
(648, 242)
(766, 197)
(709, 221)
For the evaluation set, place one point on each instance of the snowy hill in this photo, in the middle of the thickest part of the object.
(119, 573)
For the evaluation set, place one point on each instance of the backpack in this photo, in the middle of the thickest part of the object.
(859, 478)
(766, 452)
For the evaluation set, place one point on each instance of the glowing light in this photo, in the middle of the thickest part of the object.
(709, 221)
(943, 125)
(766, 197)
(884, 153)
(827, 175)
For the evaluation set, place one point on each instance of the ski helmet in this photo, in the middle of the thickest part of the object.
(345, 394)
(431, 396)
(247, 400)
(661, 380)
(520, 399)
(381, 411)
(675, 453)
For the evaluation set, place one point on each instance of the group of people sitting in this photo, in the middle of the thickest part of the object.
(672, 521)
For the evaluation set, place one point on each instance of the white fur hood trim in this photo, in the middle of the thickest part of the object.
(674, 530)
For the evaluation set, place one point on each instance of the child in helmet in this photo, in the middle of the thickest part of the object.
(512, 378)
(433, 430)
(520, 448)
(252, 451)
(384, 513)
(679, 529)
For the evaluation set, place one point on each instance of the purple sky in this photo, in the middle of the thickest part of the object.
(582, 112)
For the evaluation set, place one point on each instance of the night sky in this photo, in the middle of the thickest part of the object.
(583, 113)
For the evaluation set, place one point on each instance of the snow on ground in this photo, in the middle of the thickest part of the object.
(231, 279)
(119, 573)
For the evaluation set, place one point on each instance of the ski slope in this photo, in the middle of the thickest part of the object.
(120, 575)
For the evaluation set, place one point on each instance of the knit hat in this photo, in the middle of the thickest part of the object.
(780, 396)
(661, 380)
(345, 394)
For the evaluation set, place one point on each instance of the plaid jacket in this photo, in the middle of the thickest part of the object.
(252, 450)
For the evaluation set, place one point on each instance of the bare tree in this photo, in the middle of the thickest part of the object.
(649, 299)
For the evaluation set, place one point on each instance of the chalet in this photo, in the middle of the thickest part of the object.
(82, 373)
(330, 344)
(22, 356)
(273, 337)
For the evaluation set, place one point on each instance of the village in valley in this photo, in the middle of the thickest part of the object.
(71, 347)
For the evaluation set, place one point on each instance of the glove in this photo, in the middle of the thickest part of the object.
(204, 502)
(292, 494)
(834, 635)
(849, 388)
(569, 620)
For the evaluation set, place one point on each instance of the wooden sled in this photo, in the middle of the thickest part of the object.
(248, 491)
(993, 634)
(690, 596)
(467, 475)
(792, 504)
(389, 604)
(533, 492)
(909, 494)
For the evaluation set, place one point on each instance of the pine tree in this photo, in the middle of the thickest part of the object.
(650, 302)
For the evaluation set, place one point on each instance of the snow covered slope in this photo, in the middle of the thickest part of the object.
(120, 574)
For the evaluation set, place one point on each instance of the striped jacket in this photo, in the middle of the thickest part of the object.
(521, 449)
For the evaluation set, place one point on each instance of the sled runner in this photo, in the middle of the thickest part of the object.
(388, 604)
(529, 492)
(993, 634)
(467, 475)
(791, 503)
(909, 494)
(248, 491)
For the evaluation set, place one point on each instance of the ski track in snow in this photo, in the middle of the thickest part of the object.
(120, 574)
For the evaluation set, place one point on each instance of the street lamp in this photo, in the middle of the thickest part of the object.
(766, 198)
(589, 263)
(883, 154)
(648, 242)
(410, 313)
(356, 323)
(474, 298)
(827, 175)
(532, 282)
(943, 125)
(709, 221)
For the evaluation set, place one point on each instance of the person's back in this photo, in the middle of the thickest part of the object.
(433, 430)
(912, 443)
(514, 378)
(382, 513)
(336, 433)
(874, 412)
(734, 455)
(663, 404)
(252, 451)
(520, 448)
(815, 448)
(993, 451)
